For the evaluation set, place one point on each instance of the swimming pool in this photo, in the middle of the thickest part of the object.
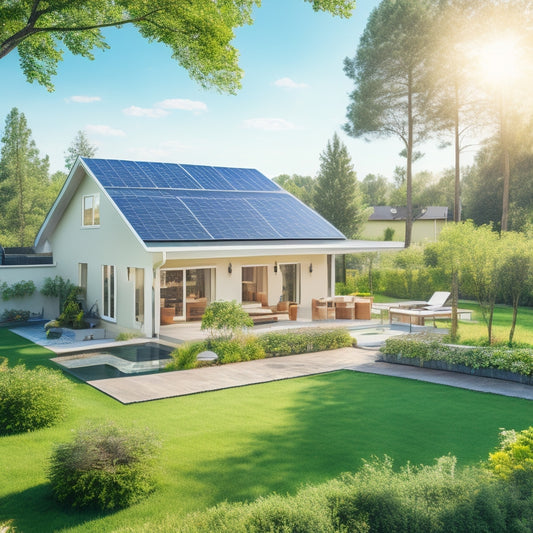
(116, 361)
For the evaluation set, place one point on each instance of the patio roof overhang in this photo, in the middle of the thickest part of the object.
(219, 249)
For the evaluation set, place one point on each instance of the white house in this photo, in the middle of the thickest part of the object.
(154, 243)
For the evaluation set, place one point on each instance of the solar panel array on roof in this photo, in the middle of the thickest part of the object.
(170, 202)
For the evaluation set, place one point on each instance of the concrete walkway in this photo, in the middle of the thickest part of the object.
(170, 384)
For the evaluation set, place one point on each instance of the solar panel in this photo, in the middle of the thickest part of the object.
(208, 177)
(247, 179)
(170, 202)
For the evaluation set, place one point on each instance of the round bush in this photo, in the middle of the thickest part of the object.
(104, 467)
(31, 399)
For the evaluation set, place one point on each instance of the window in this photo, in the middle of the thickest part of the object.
(91, 210)
(109, 288)
(139, 295)
(82, 278)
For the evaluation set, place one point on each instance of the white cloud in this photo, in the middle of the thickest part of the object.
(106, 131)
(269, 124)
(135, 111)
(81, 99)
(287, 83)
(183, 104)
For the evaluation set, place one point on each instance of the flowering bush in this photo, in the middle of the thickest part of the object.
(429, 347)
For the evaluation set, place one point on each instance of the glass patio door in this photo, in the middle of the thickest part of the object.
(172, 297)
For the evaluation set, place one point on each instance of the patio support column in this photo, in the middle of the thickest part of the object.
(332, 270)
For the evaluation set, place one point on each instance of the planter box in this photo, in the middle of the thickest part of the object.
(87, 334)
(494, 373)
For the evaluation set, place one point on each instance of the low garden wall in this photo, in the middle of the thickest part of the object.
(427, 351)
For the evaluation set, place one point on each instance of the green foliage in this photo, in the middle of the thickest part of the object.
(31, 399)
(24, 186)
(225, 319)
(426, 499)
(105, 467)
(126, 336)
(300, 186)
(80, 147)
(336, 194)
(240, 348)
(72, 315)
(17, 315)
(430, 348)
(199, 36)
(184, 356)
(57, 288)
(388, 235)
(513, 461)
(17, 290)
(305, 340)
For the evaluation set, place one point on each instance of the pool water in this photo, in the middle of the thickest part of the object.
(116, 361)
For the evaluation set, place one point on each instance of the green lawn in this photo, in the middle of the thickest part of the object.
(241, 443)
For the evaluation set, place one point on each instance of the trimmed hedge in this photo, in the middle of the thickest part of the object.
(430, 348)
(31, 399)
(274, 344)
(305, 340)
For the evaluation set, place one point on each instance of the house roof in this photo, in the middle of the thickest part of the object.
(386, 212)
(165, 202)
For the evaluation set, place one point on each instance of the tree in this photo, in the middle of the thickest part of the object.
(456, 105)
(516, 272)
(23, 183)
(300, 186)
(375, 189)
(391, 82)
(80, 146)
(337, 197)
(198, 32)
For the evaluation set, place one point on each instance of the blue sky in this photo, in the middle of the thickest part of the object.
(135, 102)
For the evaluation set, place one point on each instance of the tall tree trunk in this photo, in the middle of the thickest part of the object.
(489, 323)
(409, 176)
(506, 165)
(457, 184)
(455, 304)
(513, 323)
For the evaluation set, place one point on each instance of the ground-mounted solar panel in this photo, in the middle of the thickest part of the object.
(208, 177)
(247, 179)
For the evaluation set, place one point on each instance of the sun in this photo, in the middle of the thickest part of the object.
(499, 61)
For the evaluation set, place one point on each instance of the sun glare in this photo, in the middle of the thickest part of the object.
(499, 61)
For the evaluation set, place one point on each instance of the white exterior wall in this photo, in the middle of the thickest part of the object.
(36, 303)
(112, 243)
(229, 286)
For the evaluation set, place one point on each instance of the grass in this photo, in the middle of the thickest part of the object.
(475, 332)
(242, 443)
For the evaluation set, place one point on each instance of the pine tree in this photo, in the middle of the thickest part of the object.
(23, 183)
(337, 196)
(80, 146)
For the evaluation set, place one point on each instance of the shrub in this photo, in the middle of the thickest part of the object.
(17, 290)
(58, 288)
(225, 319)
(104, 467)
(514, 458)
(242, 348)
(31, 399)
(184, 356)
(305, 340)
(126, 336)
(72, 315)
(15, 315)
(430, 347)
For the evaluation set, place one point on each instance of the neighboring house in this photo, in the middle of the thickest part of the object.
(427, 223)
(154, 243)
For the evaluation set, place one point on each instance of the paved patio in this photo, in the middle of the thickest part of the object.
(170, 384)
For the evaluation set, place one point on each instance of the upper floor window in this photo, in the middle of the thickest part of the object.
(91, 210)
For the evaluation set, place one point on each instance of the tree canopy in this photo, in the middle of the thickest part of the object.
(198, 32)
